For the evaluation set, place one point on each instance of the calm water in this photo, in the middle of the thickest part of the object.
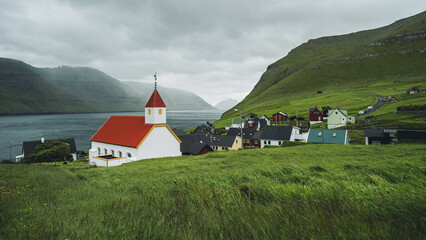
(81, 127)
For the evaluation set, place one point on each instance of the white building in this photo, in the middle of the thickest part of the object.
(124, 139)
(339, 118)
(276, 135)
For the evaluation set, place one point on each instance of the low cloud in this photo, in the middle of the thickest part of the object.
(217, 49)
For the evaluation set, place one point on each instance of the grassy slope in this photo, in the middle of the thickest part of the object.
(309, 191)
(341, 66)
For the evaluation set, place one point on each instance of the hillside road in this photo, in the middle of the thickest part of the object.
(379, 104)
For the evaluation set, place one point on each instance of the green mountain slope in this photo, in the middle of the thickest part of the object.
(28, 90)
(342, 67)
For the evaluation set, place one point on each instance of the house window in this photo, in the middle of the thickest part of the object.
(264, 142)
(319, 134)
(350, 119)
(99, 151)
(269, 142)
(236, 141)
(160, 111)
(120, 155)
(336, 112)
(129, 155)
(149, 111)
(279, 143)
(105, 151)
(112, 152)
(334, 134)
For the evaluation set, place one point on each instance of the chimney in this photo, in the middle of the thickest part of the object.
(42, 140)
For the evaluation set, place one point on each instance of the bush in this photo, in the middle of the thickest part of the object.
(50, 151)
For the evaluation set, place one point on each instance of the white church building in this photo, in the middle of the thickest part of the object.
(124, 139)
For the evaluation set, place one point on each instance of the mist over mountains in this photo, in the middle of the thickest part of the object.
(25, 89)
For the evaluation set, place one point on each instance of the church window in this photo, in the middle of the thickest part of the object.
(105, 151)
(129, 155)
(112, 152)
(120, 155)
(160, 112)
(99, 151)
(149, 111)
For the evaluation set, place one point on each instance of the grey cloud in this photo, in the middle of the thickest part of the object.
(197, 45)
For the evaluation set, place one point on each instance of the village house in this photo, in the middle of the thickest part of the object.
(339, 118)
(279, 117)
(237, 123)
(268, 121)
(124, 139)
(315, 115)
(412, 90)
(194, 145)
(328, 136)
(250, 136)
(276, 135)
(29, 146)
(380, 136)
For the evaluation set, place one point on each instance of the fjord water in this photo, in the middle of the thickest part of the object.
(16, 129)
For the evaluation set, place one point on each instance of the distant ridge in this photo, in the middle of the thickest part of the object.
(25, 89)
(226, 104)
(340, 62)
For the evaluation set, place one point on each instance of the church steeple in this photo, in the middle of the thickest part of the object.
(155, 109)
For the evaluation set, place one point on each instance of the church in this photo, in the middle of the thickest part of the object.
(124, 139)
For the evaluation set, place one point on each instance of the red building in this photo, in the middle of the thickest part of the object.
(279, 117)
(315, 115)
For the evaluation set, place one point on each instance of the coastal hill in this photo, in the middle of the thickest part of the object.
(25, 89)
(226, 104)
(338, 70)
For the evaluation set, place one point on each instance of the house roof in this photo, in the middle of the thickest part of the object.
(179, 132)
(124, 130)
(29, 146)
(193, 144)
(374, 132)
(155, 100)
(276, 132)
(247, 132)
(221, 140)
(238, 120)
(331, 136)
(281, 113)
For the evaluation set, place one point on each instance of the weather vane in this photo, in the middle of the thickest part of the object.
(155, 77)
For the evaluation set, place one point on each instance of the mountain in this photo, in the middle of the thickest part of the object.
(226, 104)
(172, 97)
(362, 61)
(25, 89)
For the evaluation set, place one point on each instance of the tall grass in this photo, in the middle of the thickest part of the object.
(303, 192)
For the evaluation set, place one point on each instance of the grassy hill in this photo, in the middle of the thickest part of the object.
(344, 68)
(301, 192)
(25, 89)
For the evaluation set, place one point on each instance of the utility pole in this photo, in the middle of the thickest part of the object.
(241, 127)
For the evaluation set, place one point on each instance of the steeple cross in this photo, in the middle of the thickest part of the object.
(155, 77)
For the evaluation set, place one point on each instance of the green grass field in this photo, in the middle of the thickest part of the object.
(301, 192)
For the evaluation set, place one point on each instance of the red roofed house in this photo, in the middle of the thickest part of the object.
(124, 139)
(315, 115)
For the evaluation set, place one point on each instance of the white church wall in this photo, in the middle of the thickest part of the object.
(154, 117)
(117, 148)
(159, 143)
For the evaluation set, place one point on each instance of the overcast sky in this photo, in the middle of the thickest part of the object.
(217, 49)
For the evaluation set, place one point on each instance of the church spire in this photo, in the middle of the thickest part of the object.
(155, 82)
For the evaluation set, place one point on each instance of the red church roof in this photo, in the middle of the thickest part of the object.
(123, 130)
(155, 100)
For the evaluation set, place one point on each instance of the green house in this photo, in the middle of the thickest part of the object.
(328, 136)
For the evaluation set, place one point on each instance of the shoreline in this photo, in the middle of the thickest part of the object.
(60, 113)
